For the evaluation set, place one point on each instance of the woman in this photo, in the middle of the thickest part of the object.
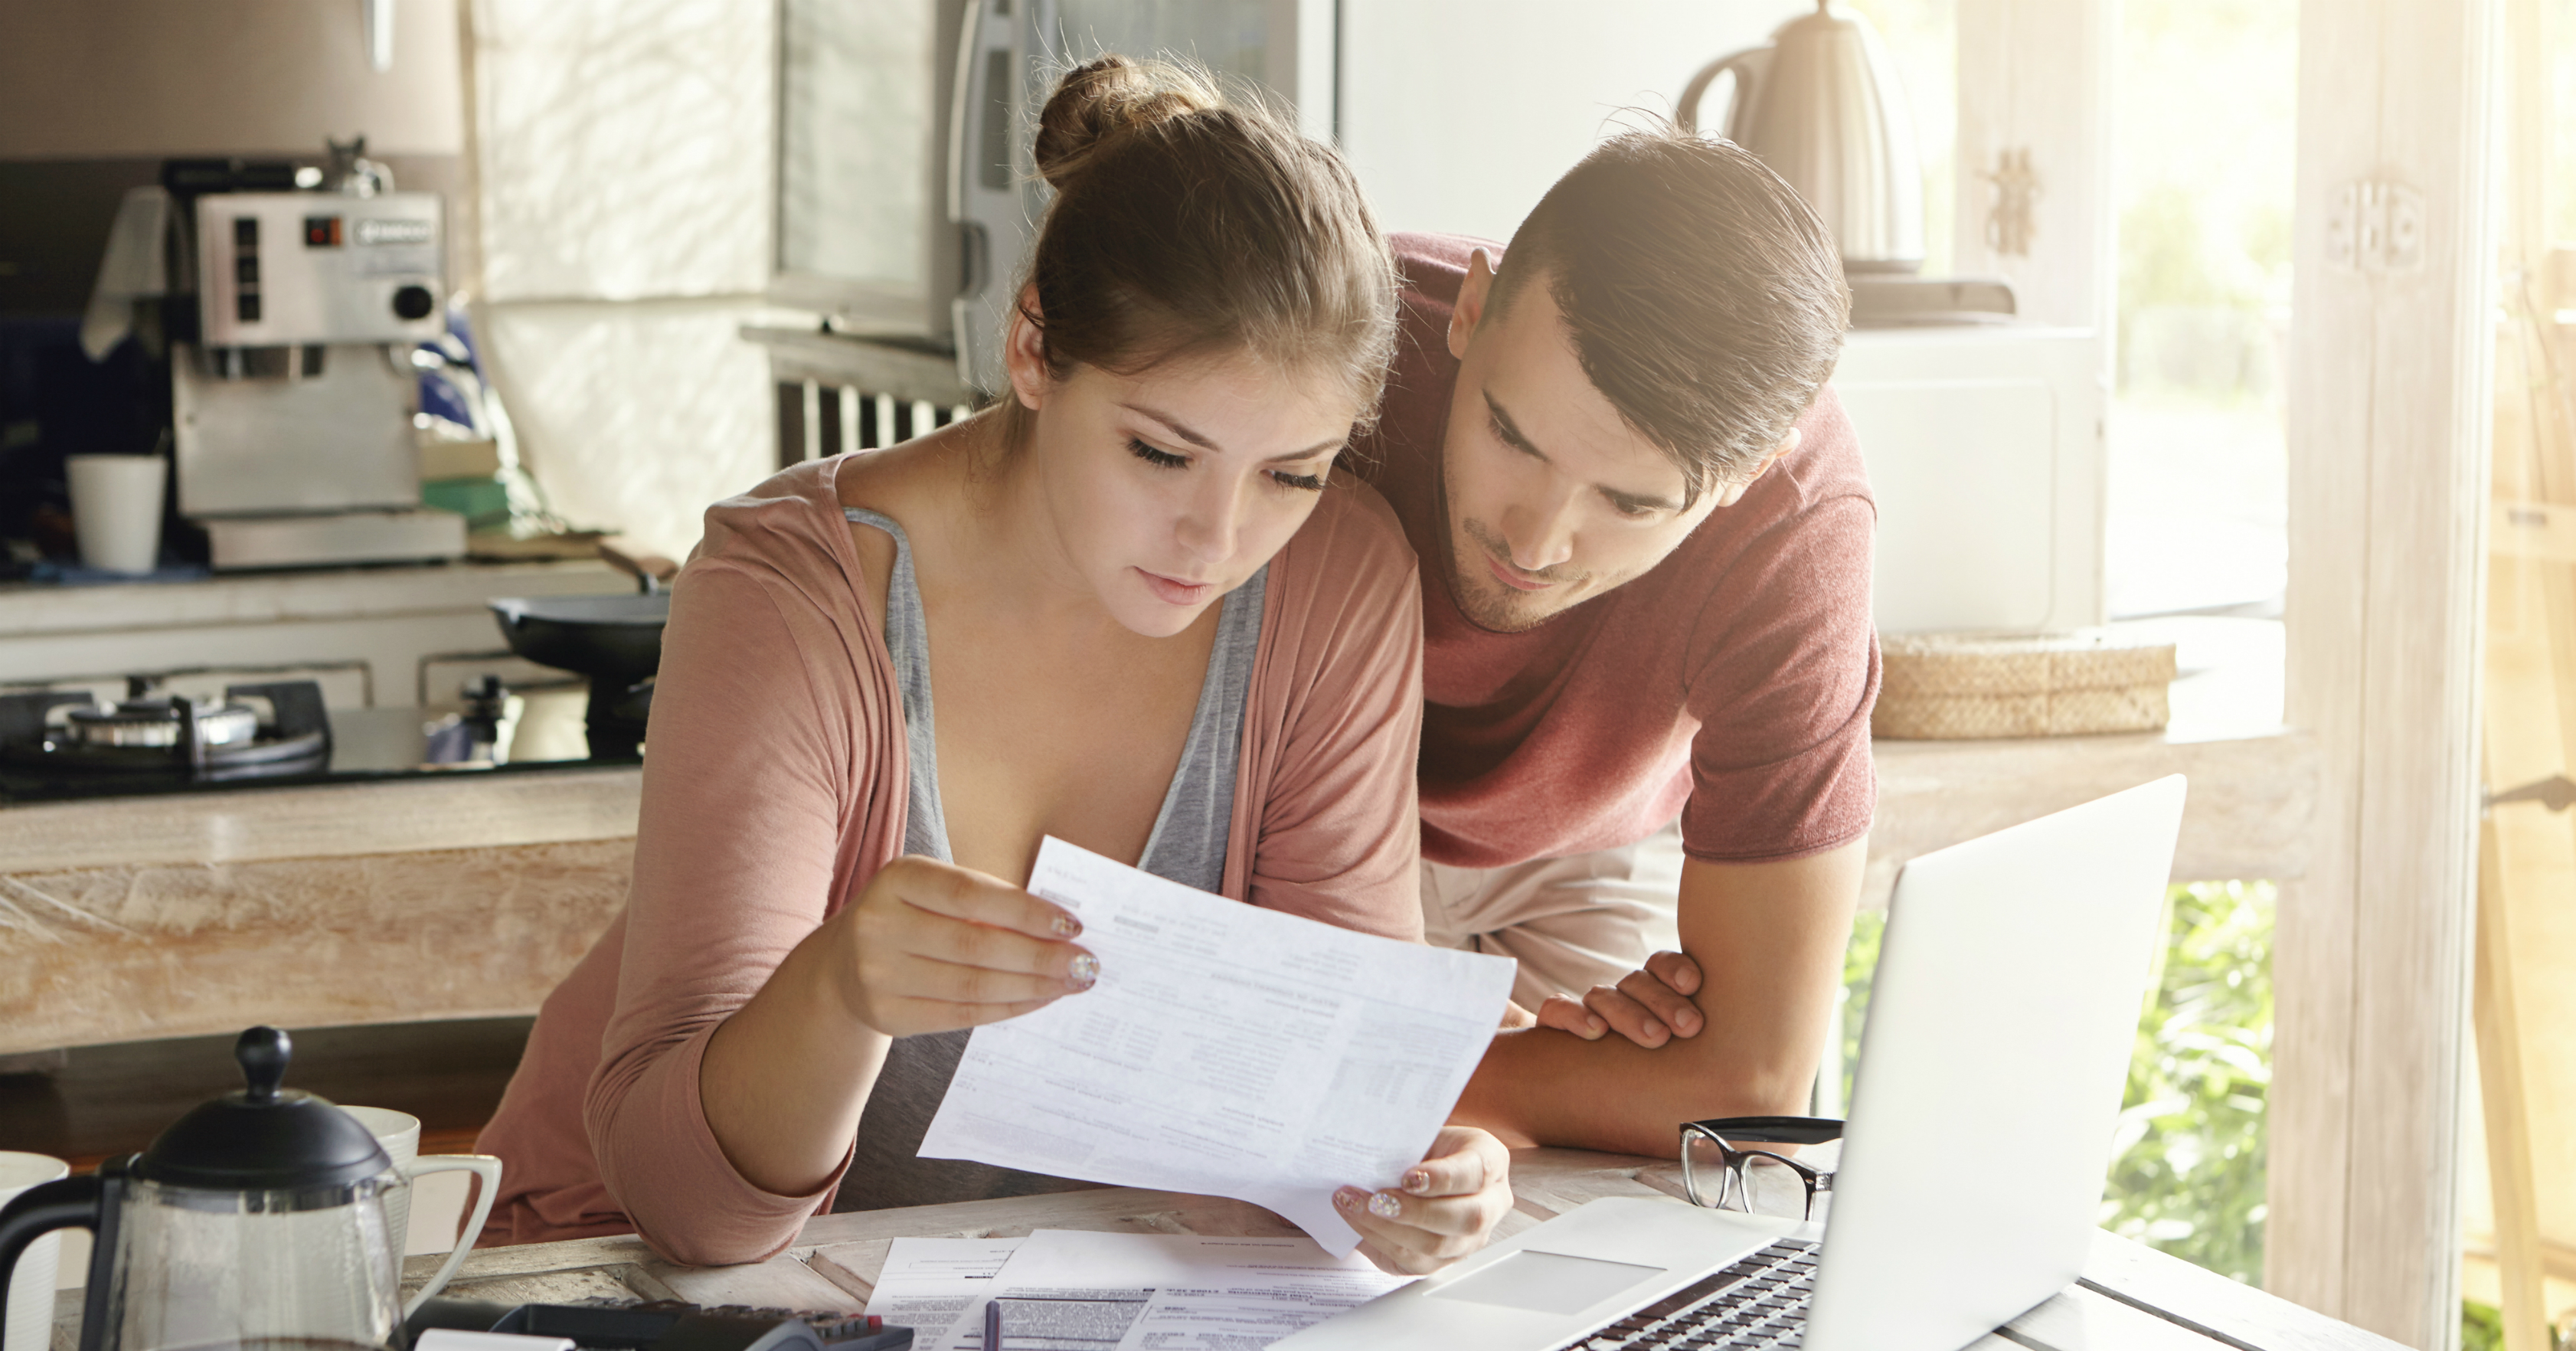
(1158, 633)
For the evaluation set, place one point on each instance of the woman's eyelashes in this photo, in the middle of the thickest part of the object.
(1158, 458)
(1164, 459)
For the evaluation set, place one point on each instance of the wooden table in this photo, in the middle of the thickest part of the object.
(2145, 1301)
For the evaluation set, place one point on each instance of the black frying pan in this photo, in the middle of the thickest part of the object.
(616, 638)
(608, 638)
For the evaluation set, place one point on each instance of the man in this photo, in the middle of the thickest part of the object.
(1645, 542)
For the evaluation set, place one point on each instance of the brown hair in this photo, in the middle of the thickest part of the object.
(1704, 298)
(1185, 224)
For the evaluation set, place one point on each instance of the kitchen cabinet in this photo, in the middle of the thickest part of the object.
(373, 637)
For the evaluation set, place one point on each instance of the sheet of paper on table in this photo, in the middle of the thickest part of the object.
(928, 1282)
(1227, 1050)
(1161, 1292)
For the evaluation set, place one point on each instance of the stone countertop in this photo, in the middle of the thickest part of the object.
(471, 894)
(2250, 803)
(450, 896)
(464, 810)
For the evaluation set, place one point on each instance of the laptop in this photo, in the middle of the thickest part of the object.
(2001, 1021)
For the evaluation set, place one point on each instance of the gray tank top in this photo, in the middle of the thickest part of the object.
(1186, 845)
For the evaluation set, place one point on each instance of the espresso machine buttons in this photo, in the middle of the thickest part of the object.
(246, 269)
(414, 302)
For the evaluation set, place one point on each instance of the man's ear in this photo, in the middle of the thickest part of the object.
(1473, 292)
(1024, 353)
(1735, 491)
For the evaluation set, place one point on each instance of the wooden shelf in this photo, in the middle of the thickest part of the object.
(2250, 804)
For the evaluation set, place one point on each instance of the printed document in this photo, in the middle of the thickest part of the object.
(1227, 1050)
(1160, 1292)
(928, 1282)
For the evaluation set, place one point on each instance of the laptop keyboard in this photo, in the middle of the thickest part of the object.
(1759, 1302)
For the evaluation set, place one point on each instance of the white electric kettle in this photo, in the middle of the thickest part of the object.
(1821, 105)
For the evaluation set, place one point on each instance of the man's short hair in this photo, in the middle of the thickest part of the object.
(1705, 299)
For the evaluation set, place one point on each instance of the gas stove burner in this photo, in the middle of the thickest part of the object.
(162, 723)
(170, 736)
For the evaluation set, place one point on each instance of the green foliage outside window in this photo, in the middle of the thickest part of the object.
(2482, 1329)
(2188, 1175)
(2188, 1172)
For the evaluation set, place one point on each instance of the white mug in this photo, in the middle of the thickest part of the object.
(399, 1134)
(29, 1325)
(116, 509)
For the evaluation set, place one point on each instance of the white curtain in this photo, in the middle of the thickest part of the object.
(621, 154)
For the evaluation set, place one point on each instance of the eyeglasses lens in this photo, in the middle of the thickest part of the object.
(1705, 1174)
(1771, 1187)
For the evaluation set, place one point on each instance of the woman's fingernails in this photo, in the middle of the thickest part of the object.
(1594, 1027)
(1066, 926)
(1085, 972)
(1349, 1198)
(1385, 1205)
(1417, 1182)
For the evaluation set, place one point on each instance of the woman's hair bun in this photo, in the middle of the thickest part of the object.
(1094, 103)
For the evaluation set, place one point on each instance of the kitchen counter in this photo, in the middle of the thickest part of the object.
(451, 896)
(471, 896)
(468, 895)
(461, 811)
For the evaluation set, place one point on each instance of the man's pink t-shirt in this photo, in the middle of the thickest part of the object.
(1731, 683)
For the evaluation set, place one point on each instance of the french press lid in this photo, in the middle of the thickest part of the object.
(265, 1137)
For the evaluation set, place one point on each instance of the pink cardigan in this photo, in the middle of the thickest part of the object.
(774, 788)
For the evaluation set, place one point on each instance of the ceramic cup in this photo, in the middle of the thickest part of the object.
(116, 509)
(399, 1134)
(29, 1325)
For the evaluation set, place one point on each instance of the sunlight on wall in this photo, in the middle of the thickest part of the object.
(623, 150)
(639, 417)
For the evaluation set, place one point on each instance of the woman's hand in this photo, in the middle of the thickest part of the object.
(1445, 1208)
(931, 947)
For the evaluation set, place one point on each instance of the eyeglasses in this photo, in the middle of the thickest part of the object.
(1724, 1168)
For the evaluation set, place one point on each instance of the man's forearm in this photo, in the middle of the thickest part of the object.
(1539, 1086)
(1769, 942)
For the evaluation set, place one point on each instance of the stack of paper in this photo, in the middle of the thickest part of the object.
(928, 1282)
(1063, 1289)
(1227, 1050)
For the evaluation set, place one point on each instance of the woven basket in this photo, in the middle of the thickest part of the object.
(1945, 687)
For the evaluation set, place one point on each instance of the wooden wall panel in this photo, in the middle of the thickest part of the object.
(2388, 464)
(2035, 78)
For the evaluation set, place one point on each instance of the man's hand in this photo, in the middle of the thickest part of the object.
(1649, 1007)
(1445, 1208)
(1768, 941)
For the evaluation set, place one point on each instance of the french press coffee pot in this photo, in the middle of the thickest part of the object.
(256, 1223)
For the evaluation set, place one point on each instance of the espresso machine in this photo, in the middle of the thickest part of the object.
(297, 302)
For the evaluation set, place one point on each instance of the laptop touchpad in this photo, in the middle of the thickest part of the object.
(1547, 1282)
